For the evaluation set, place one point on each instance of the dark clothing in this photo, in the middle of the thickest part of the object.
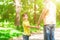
(25, 37)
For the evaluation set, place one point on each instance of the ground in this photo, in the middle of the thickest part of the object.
(40, 36)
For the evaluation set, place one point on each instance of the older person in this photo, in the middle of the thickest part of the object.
(48, 15)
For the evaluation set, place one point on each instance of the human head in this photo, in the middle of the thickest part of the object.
(25, 16)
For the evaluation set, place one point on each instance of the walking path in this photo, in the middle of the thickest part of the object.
(40, 36)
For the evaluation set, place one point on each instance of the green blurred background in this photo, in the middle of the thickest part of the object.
(11, 12)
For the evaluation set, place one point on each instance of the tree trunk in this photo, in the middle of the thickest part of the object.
(35, 12)
(18, 9)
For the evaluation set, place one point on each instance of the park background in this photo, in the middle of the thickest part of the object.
(11, 12)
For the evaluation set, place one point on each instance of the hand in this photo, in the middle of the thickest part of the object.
(38, 26)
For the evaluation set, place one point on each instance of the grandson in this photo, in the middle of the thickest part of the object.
(26, 27)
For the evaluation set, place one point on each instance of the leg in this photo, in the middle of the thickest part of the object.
(46, 32)
(52, 33)
(25, 37)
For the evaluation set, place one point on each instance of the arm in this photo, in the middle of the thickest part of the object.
(27, 24)
(43, 14)
(31, 27)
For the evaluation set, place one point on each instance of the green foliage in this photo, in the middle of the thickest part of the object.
(7, 15)
(9, 33)
(7, 24)
(6, 10)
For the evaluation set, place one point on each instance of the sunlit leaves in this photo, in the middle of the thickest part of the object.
(6, 8)
(8, 33)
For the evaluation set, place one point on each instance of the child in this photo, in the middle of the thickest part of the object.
(26, 27)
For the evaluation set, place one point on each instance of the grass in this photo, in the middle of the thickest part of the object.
(58, 25)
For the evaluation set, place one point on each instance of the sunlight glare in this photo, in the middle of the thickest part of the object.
(57, 0)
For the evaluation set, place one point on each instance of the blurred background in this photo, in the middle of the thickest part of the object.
(11, 12)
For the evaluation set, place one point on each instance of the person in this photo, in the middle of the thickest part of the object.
(26, 27)
(48, 15)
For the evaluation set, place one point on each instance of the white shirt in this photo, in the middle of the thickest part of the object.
(50, 18)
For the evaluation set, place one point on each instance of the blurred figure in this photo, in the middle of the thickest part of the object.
(26, 27)
(48, 15)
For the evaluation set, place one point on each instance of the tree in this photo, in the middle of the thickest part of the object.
(18, 9)
(35, 11)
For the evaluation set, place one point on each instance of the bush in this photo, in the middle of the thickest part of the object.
(6, 33)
